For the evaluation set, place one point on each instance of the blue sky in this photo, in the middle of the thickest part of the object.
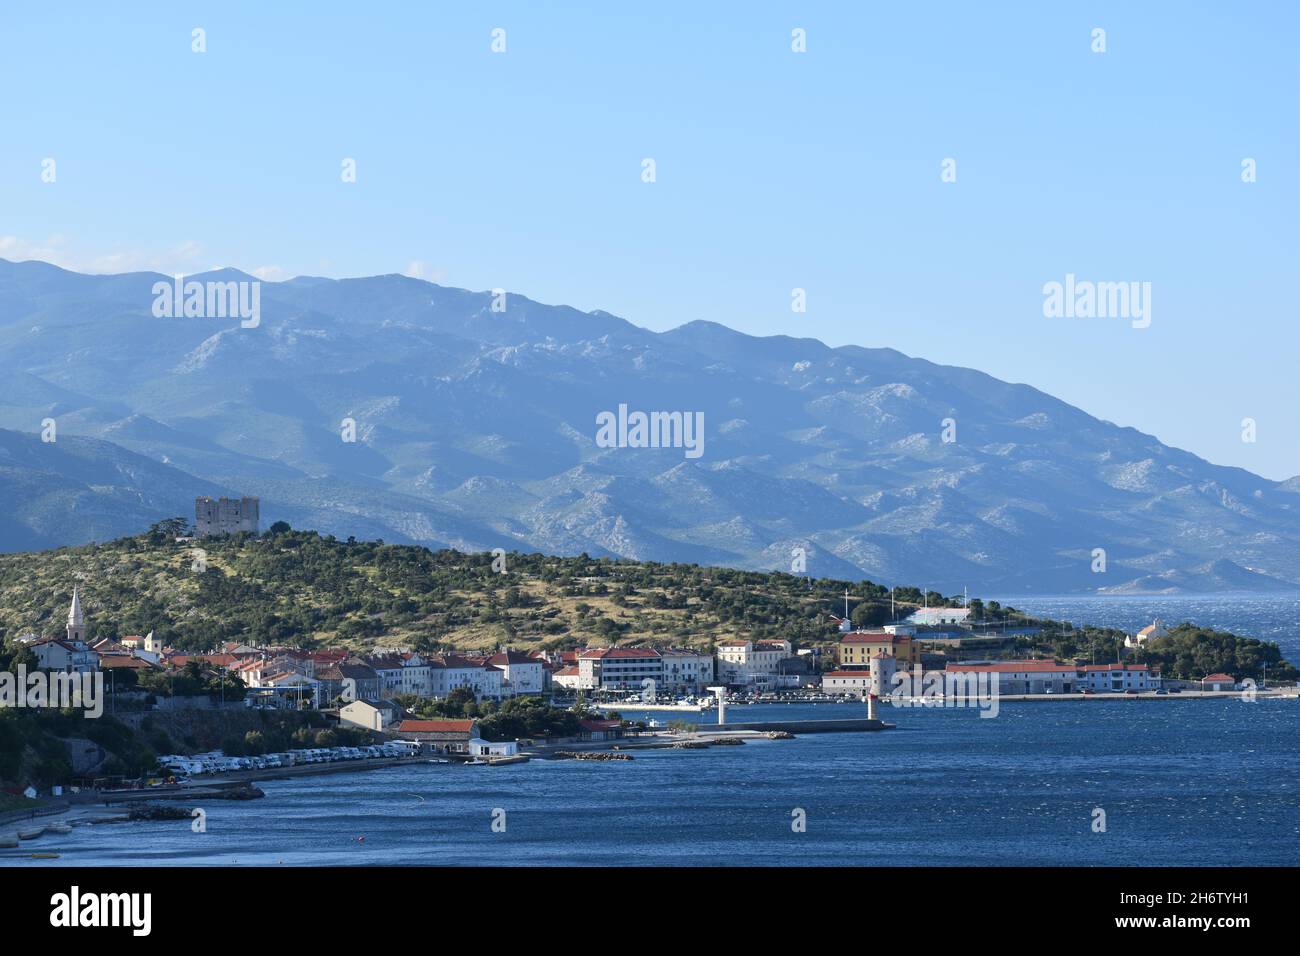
(775, 170)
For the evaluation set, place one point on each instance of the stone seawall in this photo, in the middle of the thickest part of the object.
(802, 726)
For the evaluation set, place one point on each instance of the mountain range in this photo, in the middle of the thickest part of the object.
(476, 423)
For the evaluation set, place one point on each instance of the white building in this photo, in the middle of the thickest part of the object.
(1117, 678)
(619, 668)
(570, 678)
(416, 675)
(70, 654)
(940, 615)
(1154, 629)
(388, 668)
(523, 674)
(742, 662)
(685, 670)
(493, 748)
(370, 714)
(847, 682)
(1024, 677)
(449, 671)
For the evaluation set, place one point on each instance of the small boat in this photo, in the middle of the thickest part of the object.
(45, 856)
(30, 834)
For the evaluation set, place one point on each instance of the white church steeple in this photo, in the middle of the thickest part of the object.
(76, 619)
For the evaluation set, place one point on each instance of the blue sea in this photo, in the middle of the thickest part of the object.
(1176, 782)
(1267, 617)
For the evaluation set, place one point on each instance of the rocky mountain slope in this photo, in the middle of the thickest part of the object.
(478, 429)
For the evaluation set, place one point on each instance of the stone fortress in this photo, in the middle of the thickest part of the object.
(214, 516)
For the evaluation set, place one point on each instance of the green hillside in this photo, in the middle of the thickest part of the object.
(303, 589)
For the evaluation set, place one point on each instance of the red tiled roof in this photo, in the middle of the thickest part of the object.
(619, 652)
(125, 661)
(511, 657)
(217, 660)
(435, 726)
(569, 671)
(1220, 677)
(1010, 667)
(1113, 667)
(599, 724)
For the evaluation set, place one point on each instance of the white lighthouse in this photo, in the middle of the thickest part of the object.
(721, 694)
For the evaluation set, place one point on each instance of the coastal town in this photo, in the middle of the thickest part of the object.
(333, 678)
(383, 693)
(215, 720)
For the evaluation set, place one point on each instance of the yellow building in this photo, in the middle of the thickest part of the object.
(856, 648)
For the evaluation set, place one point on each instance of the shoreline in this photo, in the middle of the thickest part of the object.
(22, 829)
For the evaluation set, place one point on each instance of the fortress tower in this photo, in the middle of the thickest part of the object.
(213, 516)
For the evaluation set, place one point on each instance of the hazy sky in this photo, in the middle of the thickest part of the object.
(774, 170)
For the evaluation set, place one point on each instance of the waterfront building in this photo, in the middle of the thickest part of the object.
(600, 729)
(747, 663)
(1024, 677)
(1117, 678)
(1219, 682)
(439, 736)
(619, 668)
(685, 670)
(479, 747)
(856, 682)
(857, 648)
